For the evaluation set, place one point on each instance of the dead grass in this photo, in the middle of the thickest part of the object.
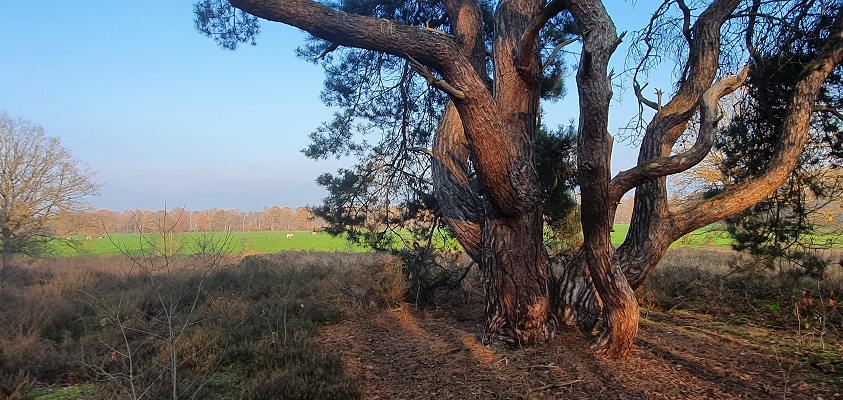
(247, 329)
(791, 316)
(698, 339)
(321, 326)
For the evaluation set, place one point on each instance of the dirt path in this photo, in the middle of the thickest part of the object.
(409, 354)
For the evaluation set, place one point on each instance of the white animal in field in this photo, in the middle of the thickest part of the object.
(314, 233)
(89, 237)
(290, 236)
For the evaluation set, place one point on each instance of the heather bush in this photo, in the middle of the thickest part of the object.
(245, 330)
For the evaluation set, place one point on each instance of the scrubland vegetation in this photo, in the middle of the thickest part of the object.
(111, 329)
(118, 327)
(784, 310)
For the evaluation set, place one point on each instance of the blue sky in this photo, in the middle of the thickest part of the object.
(164, 116)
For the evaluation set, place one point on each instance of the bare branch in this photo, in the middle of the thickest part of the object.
(830, 110)
(421, 150)
(686, 21)
(643, 100)
(664, 166)
(433, 81)
(556, 50)
(791, 145)
(702, 67)
(750, 31)
(762, 15)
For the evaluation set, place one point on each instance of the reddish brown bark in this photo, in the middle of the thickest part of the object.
(515, 279)
(655, 226)
(509, 250)
(620, 308)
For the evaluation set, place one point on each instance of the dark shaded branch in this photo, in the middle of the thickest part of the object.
(686, 21)
(328, 50)
(762, 15)
(436, 22)
(830, 110)
(750, 31)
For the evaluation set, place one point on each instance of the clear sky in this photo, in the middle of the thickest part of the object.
(165, 116)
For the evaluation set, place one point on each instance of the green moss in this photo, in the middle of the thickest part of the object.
(67, 393)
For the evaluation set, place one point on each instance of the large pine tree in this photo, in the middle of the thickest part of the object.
(490, 65)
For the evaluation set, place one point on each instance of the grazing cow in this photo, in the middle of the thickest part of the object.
(290, 236)
(89, 237)
(314, 233)
(100, 237)
(69, 238)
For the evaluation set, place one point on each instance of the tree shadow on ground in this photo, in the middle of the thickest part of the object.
(407, 353)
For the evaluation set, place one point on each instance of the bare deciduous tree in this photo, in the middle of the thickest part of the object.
(38, 179)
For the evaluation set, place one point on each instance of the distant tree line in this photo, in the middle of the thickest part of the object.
(101, 222)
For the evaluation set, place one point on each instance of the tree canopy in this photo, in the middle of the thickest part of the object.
(38, 180)
(781, 225)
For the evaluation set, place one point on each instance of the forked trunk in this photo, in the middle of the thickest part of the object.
(576, 303)
(509, 250)
(514, 266)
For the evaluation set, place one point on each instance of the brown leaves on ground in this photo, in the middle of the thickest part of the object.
(436, 354)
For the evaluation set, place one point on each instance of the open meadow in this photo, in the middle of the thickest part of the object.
(339, 325)
(235, 243)
(274, 242)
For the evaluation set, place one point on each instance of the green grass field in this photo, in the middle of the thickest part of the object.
(708, 237)
(228, 243)
(276, 242)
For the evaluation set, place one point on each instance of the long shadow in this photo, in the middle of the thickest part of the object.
(410, 354)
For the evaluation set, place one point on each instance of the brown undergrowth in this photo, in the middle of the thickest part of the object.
(304, 325)
(244, 330)
(723, 350)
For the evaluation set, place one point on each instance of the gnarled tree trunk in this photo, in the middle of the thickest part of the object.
(514, 265)
(489, 127)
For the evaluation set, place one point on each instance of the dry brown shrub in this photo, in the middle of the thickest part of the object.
(31, 355)
(15, 385)
(353, 282)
